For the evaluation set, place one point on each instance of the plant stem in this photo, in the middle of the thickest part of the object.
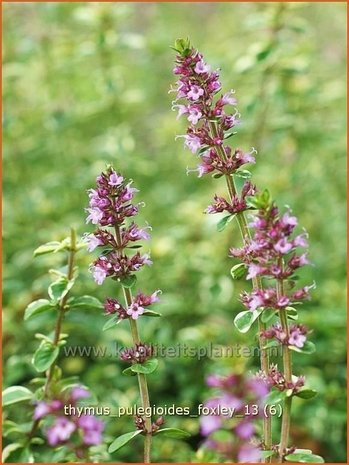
(256, 283)
(287, 364)
(59, 321)
(142, 379)
(61, 309)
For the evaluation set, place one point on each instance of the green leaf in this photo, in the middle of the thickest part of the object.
(245, 174)
(261, 200)
(308, 348)
(275, 397)
(49, 247)
(17, 453)
(147, 367)
(15, 394)
(151, 313)
(267, 314)
(306, 393)
(227, 135)
(60, 288)
(9, 449)
(44, 356)
(9, 427)
(238, 271)
(304, 458)
(217, 175)
(43, 337)
(267, 453)
(85, 302)
(122, 441)
(128, 281)
(111, 323)
(270, 344)
(173, 433)
(292, 313)
(224, 221)
(128, 372)
(244, 320)
(37, 307)
(182, 46)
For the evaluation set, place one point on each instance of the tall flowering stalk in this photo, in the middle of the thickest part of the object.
(209, 127)
(269, 255)
(111, 207)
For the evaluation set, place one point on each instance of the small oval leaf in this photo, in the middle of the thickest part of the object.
(244, 320)
(122, 441)
(151, 313)
(37, 307)
(85, 302)
(306, 393)
(14, 394)
(175, 433)
(111, 323)
(304, 458)
(44, 356)
(128, 281)
(147, 367)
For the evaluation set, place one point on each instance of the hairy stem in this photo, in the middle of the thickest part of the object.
(256, 283)
(142, 379)
(287, 365)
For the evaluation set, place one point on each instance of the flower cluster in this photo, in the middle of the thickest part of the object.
(273, 243)
(236, 205)
(62, 429)
(196, 89)
(296, 337)
(137, 354)
(110, 204)
(137, 307)
(275, 378)
(235, 392)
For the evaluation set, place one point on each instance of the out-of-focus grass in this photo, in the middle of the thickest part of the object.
(86, 84)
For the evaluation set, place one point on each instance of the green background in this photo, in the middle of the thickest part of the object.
(86, 84)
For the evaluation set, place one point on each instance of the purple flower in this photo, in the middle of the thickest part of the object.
(248, 453)
(209, 424)
(60, 431)
(192, 142)
(92, 242)
(79, 392)
(245, 429)
(92, 429)
(115, 179)
(254, 270)
(99, 274)
(41, 409)
(135, 310)
(201, 67)
(283, 246)
(95, 215)
(195, 92)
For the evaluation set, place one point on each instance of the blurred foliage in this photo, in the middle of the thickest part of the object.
(86, 84)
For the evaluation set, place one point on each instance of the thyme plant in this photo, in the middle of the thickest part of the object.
(270, 254)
